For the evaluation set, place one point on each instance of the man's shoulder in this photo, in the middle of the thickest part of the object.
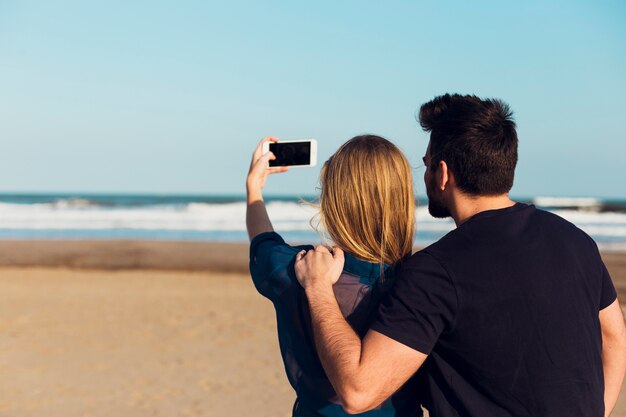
(526, 223)
(445, 249)
(426, 261)
(560, 227)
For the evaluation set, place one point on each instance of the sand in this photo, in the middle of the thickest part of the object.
(137, 343)
(126, 255)
(127, 329)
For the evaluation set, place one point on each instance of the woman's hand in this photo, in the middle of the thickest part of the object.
(260, 169)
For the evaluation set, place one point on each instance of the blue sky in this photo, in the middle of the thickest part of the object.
(171, 97)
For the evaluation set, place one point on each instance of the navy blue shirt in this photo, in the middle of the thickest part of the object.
(358, 294)
(506, 306)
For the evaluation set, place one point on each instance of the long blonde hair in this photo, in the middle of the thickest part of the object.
(367, 205)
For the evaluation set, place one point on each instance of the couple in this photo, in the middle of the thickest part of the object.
(513, 313)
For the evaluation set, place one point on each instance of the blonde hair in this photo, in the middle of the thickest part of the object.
(367, 205)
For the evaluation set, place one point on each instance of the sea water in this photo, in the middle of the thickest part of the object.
(222, 218)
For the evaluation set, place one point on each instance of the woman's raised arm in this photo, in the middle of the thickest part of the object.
(257, 220)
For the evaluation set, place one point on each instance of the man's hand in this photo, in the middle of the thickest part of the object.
(363, 374)
(319, 268)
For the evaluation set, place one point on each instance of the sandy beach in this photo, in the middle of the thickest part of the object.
(110, 328)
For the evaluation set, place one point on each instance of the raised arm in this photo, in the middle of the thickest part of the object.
(363, 373)
(257, 220)
(613, 353)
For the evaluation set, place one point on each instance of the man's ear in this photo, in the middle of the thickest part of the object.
(443, 175)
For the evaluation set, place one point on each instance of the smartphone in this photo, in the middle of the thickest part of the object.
(293, 153)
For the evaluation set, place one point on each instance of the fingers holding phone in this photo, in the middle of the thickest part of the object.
(260, 166)
(272, 156)
(261, 149)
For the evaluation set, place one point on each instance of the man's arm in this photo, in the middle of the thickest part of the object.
(363, 373)
(613, 353)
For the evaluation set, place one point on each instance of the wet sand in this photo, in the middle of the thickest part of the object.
(143, 329)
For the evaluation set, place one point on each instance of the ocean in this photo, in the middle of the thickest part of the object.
(222, 218)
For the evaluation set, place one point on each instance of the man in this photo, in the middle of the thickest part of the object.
(513, 313)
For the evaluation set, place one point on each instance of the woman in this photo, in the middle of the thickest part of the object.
(367, 208)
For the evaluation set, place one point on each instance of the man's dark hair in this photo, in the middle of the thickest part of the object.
(477, 140)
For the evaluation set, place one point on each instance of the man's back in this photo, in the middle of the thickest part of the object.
(511, 314)
(507, 308)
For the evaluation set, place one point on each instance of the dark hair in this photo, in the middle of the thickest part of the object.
(477, 140)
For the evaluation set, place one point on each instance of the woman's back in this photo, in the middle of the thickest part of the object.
(358, 294)
(367, 208)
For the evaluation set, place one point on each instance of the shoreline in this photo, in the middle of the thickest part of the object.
(174, 256)
(118, 255)
(196, 254)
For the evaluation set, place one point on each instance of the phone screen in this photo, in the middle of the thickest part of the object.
(291, 153)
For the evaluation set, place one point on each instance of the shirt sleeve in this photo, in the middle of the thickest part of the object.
(607, 289)
(608, 294)
(420, 307)
(271, 264)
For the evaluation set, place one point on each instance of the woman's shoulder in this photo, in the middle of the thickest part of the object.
(271, 263)
(269, 251)
(272, 241)
(370, 272)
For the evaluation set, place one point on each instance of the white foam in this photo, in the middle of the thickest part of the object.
(588, 217)
(193, 217)
(582, 202)
(77, 214)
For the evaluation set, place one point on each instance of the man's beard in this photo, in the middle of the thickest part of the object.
(435, 206)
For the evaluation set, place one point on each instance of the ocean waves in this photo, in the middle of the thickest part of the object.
(223, 218)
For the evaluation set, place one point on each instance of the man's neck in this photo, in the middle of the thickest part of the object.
(465, 207)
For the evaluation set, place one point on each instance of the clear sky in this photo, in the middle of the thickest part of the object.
(171, 97)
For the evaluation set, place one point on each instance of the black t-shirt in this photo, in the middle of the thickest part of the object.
(506, 306)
